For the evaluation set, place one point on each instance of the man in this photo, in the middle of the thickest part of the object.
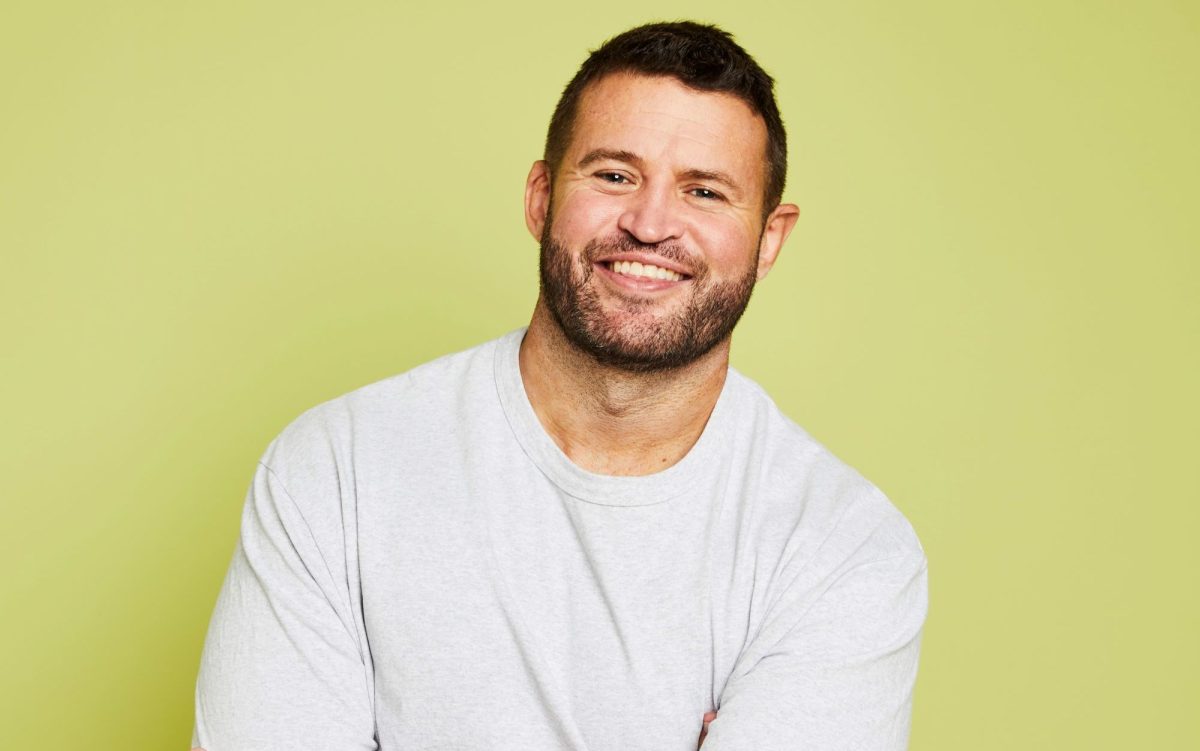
(590, 534)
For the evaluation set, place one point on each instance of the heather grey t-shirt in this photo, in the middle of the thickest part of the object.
(420, 567)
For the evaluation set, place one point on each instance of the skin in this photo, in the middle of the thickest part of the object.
(607, 419)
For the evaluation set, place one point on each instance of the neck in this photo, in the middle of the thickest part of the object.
(613, 421)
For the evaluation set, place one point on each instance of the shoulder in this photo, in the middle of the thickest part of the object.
(375, 416)
(819, 497)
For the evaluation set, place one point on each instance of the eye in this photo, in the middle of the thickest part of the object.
(706, 194)
(612, 178)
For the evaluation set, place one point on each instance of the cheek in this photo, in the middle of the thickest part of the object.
(731, 246)
(583, 214)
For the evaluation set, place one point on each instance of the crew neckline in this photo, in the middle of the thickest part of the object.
(605, 490)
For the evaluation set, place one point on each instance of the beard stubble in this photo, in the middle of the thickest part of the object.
(627, 334)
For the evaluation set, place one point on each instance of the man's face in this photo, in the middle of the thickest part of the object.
(650, 247)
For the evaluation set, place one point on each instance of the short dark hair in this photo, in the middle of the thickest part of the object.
(701, 57)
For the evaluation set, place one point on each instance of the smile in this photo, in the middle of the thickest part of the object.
(643, 270)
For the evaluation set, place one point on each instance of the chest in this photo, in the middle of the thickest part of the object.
(503, 614)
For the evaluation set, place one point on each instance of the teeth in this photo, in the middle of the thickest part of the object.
(644, 270)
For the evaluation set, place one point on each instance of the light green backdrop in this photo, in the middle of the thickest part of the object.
(216, 215)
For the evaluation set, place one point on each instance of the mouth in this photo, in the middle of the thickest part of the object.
(637, 270)
(639, 276)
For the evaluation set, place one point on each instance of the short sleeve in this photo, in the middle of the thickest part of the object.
(283, 666)
(832, 670)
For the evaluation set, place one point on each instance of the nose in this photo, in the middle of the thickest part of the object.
(651, 216)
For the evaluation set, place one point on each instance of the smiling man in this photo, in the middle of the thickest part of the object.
(591, 533)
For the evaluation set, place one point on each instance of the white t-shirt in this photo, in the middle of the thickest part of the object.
(420, 567)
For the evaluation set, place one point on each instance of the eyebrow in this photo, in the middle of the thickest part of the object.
(599, 155)
(628, 157)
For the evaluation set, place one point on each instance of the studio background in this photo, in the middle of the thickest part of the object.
(215, 216)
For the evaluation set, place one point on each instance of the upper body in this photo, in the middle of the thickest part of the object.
(590, 534)
(421, 567)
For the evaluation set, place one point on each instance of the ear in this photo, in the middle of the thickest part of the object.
(778, 226)
(537, 198)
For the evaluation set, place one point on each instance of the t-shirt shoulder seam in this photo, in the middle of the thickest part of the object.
(314, 541)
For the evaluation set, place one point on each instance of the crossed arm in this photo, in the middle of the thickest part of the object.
(709, 717)
(839, 677)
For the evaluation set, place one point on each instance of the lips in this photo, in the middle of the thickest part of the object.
(638, 267)
(644, 270)
(623, 278)
(644, 264)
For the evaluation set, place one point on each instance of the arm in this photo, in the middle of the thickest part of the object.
(283, 666)
(708, 718)
(835, 671)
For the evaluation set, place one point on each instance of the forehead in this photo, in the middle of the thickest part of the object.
(659, 118)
